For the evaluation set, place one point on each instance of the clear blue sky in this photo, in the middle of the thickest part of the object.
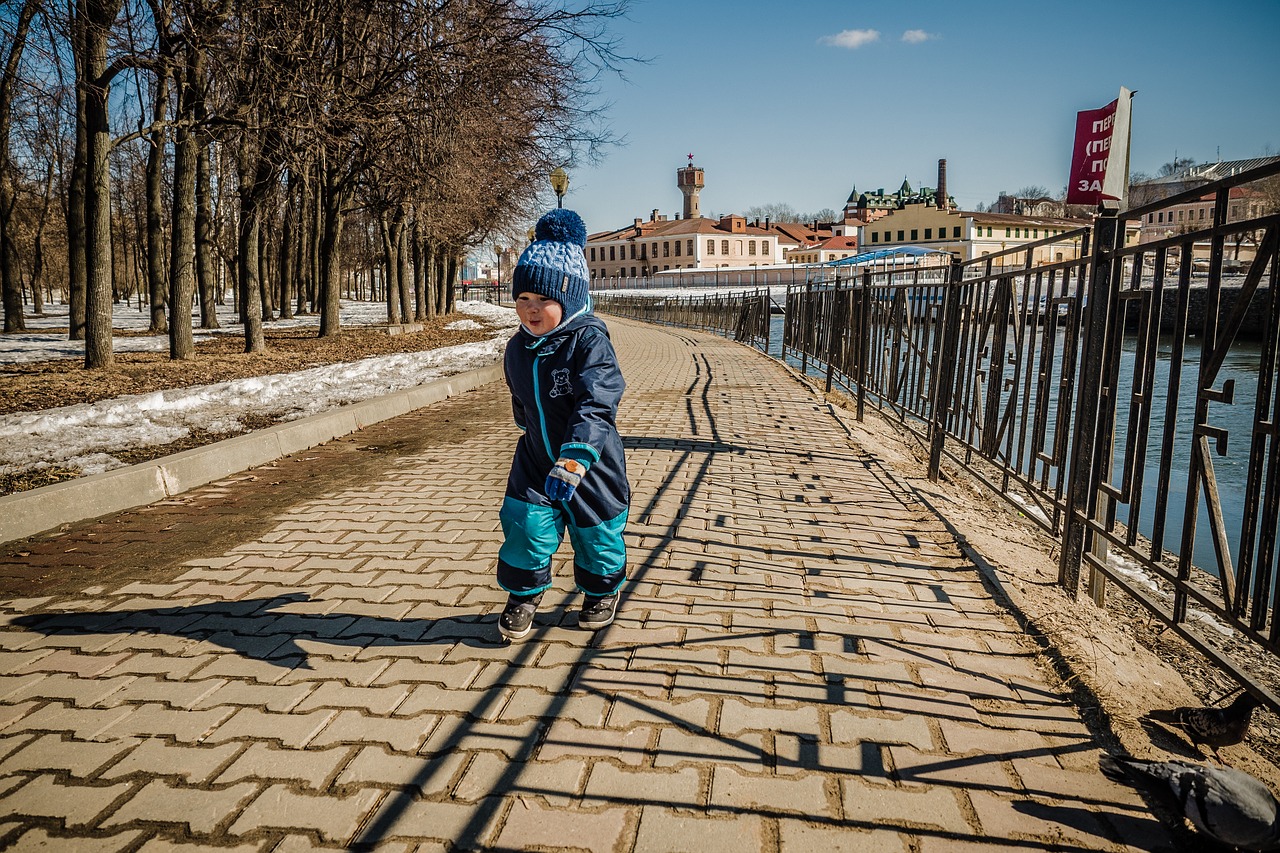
(797, 103)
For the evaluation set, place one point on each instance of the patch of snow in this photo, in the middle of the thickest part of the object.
(84, 435)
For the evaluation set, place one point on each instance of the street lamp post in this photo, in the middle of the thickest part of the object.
(501, 251)
(559, 184)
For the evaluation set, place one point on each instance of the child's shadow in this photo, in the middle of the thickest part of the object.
(250, 628)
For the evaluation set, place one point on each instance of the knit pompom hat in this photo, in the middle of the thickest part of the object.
(554, 264)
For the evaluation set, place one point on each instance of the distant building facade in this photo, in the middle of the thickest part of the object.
(692, 241)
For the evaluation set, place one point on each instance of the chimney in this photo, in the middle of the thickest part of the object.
(942, 184)
(766, 223)
(653, 217)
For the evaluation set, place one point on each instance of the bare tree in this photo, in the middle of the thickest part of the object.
(10, 280)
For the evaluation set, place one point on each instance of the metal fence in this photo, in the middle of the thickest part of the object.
(742, 316)
(1127, 402)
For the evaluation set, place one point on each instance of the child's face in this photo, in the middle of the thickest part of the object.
(538, 313)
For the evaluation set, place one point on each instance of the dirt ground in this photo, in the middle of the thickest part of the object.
(33, 386)
(1118, 661)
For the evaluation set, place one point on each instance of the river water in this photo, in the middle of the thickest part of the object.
(1242, 367)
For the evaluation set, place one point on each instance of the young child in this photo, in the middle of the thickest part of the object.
(568, 471)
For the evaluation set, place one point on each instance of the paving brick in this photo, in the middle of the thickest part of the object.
(158, 757)
(81, 759)
(664, 829)
(352, 727)
(1022, 818)
(530, 825)
(76, 805)
(374, 766)
(84, 723)
(627, 746)
(737, 717)
(443, 821)
(183, 725)
(849, 726)
(677, 747)
(797, 835)
(514, 740)
(681, 789)
(43, 840)
(278, 698)
(526, 702)
(199, 810)
(291, 730)
(373, 700)
(332, 818)
(906, 808)
(310, 768)
(67, 661)
(754, 792)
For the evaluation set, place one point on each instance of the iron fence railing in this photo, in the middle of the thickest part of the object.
(1128, 402)
(742, 316)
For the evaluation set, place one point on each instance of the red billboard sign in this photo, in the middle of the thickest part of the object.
(1100, 161)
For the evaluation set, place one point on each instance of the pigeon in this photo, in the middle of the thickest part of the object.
(1214, 727)
(1226, 804)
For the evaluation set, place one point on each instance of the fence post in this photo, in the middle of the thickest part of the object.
(864, 344)
(1080, 491)
(946, 340)
(835, 333)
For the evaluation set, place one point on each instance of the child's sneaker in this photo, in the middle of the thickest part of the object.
(597, 611)
(516, 620)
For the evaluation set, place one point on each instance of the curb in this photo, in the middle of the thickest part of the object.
(48, 507)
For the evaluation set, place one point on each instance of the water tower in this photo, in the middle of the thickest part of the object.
(690, 179)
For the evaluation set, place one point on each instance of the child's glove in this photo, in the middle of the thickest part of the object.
(564, 479)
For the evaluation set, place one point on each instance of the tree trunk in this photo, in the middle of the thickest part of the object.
(157, 283)
(403, 280)
(330, 256)
(10, 277)
(389, 268)
(206, 273)
(95, 26)
(77, 234)
(451, 284)
(182, 268)
(247, 251)
(421, 310)
(288, 251)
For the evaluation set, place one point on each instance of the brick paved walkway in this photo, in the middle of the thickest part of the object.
(802, 661)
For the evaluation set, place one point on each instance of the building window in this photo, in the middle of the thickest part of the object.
(633, 251)
(611, 257)
(900, 238)
(1202, 213)
(1161, 215)
(737, 247)
(711, 247)
(1180, 215)
(751, 247)
(1008, 232)
(955, 232)
(764, 247)
(633, 272)
(915, 234)
(666, 249)
(593, 253)
(875, 237)
(724, 247)
(677, 250)
(690, 249)
(1151, 218)
(928, 233)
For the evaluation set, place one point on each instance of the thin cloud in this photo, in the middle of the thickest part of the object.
(851, 39)
(917, 36)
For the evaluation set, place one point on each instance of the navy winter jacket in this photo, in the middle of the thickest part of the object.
(565, 389)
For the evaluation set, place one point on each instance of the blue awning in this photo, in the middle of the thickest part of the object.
(881, 254)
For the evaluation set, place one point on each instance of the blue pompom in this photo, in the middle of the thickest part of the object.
(562, 226)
